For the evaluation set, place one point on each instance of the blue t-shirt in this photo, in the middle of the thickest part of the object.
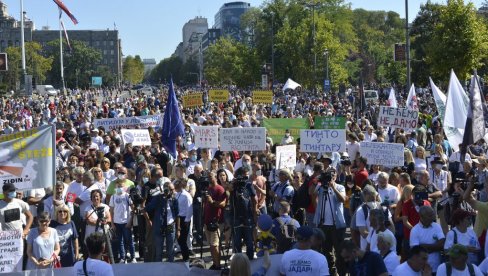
(371, 264)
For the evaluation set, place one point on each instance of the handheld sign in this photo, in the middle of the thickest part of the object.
(385, 154)
(206, 137)
(192, 100)
(265, 97)
(137, 137)
(322, 140)
(286, 156)
(242, 139)
(218, 96)
(11, 251)
(398, 118)
(154, 121)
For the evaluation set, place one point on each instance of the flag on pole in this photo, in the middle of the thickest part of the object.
(456, 105)
(439, 98)
(172, 123)
(412, 102)
(392, 102)
(475, 121)
(65, 9)
(65, 34)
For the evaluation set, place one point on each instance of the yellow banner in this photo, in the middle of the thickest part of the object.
(218, 96)
(265, 97)
(192, 100)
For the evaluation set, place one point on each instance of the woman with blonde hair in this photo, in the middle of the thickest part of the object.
(419, 159)
(68, 236)
(241, 266)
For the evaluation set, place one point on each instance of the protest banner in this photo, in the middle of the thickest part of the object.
(218, 96)
(154, 121)
(206, 137)
(242, 139)
(137, 137)
(286, 157)
(265, 97)
(330, 122)
(276, 127)
(11, 251)
(192, 100)
(385, 154)
(322, 140)
(398, 118)
(27, 158)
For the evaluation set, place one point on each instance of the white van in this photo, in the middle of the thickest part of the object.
(46, 90)
(371, 95)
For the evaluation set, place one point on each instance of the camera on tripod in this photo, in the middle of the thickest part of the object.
(135, 196)
(325, 178)
(100, 211)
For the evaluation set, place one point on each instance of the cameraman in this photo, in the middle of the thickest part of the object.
(92, 265)
(165, 209)
(243, 212)
(329, 216)
(481, 222)
(214, 204)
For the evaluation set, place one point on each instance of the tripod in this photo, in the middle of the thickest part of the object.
(108, 241)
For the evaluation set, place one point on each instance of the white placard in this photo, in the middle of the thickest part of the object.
(137, 137)
(286, 157)
(398, 118)
(385, 154)
(242, 139)
(11, 251)
(206, 137)
(154, 121)
(322, 140)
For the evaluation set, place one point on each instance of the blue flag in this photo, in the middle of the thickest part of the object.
(172, 123)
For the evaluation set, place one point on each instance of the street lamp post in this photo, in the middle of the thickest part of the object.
(272, 51)
(407, 46)
(312, 5)
(22, 40)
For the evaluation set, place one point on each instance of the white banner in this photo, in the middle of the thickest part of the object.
(398, 118)
(137, 137)
(206, 137)
(11, 251)
(385, 154)
(154, 121)
(286, 157)
(322, 140)
(242, 139)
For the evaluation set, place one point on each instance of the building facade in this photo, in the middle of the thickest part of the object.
(228, 19)
(193, 31)
(149, 64)
(210, 38)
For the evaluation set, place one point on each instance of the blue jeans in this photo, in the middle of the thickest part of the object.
(159, 240)
(238, 234)
(124, 236)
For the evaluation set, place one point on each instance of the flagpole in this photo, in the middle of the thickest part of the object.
(61, 51)
(22, 41)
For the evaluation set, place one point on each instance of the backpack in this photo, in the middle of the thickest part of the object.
(286, 239)
(449, 269)
(301, 198)
(241, 203)
(366, 214)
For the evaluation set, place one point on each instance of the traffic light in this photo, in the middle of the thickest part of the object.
(3, 62)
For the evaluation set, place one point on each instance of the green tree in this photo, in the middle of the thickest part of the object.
(133, 69)
(459, 41)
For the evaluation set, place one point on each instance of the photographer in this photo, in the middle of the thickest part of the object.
(164, 208)
(410, 213)
(97, 215)
(185, 213)
(243, 212)
(214, 204)
(329, 216)
(481, 222)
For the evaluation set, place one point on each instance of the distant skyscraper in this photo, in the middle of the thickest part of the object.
(193, 31)
(228, 19)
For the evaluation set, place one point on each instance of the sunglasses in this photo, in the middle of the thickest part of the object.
(62, 211)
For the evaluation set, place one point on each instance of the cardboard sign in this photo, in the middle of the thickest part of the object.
(11, 251)
(322, 140)
(330, 122)
(286, 157)
(385, 154)
(242, 139)
(265, 97)
(137, 137)
(206, 137)
(398, 118)
(218, 96)
(192, 100)
(154, 121)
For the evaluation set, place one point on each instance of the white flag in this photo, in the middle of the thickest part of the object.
(456, 105)
(392, 102)
(412, 103)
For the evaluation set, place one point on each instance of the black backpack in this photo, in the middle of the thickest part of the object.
(241, 203)
(301, 198)
(286, 237)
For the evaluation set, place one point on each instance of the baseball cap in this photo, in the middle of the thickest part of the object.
(9, 187)
(457, 251)
(304, 232)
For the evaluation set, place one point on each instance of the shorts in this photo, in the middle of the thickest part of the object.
(213, 237)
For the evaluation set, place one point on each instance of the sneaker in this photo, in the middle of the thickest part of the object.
(133, 261)
(122, 261)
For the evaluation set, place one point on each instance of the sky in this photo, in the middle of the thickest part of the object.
(153, 28)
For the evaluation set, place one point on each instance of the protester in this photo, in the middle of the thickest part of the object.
(42, 244)
(68, 236)
(93, 265)
(458, 263)
(362, 263)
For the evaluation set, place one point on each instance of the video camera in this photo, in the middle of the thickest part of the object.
(135, 196)
(325, 178)
(346, 161)
(202, 184)
(240, 181)
(100, 211)
(465, 178)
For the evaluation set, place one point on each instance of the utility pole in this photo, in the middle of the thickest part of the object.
(407, 46)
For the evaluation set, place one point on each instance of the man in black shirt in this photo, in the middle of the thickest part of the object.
(162, 158)
(362, 263)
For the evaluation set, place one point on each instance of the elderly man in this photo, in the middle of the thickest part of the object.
(388, 193)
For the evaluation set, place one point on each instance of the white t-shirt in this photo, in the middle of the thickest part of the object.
(389, 193)
(185, 203)
(303, 262)
(86, 197)
(352, 149)
(405, 270)
(121, 204)
(35, 193)
(441, 270)
(392, 261)
(76, 188)
(11, 211)
(92, 214)
(93, 268)
(362, 221)
(468, 239)
(420, 235)
(373, 240)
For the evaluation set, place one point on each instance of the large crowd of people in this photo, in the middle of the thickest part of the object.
(331, 214)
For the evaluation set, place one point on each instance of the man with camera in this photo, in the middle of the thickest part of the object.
(410, 213)
(185, 213)
(165, 209)
(214, 204)
(243, 204)
(329, 216)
